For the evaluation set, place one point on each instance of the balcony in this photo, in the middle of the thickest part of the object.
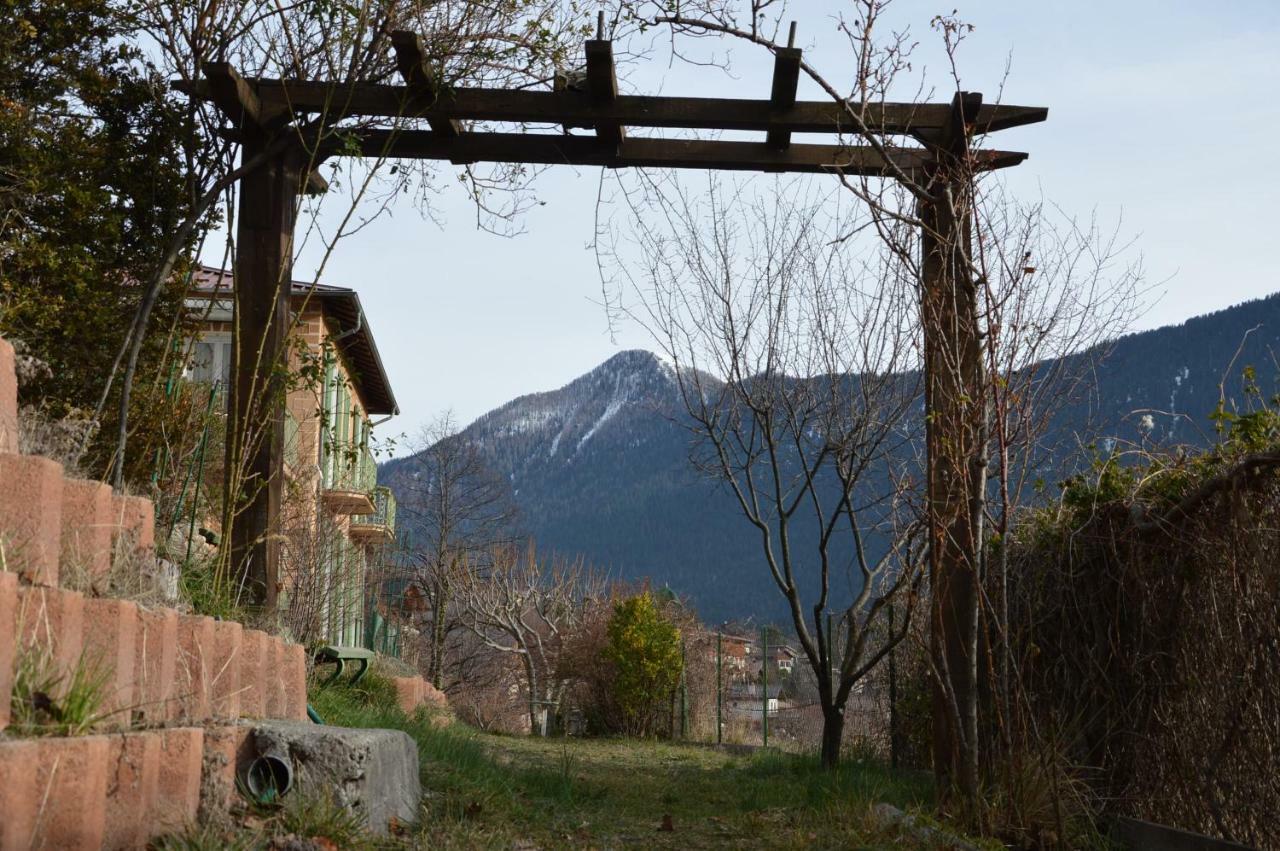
(378, 527)
(350, 475)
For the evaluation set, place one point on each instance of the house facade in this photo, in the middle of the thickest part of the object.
(337, 524)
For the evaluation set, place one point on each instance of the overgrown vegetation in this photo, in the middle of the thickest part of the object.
(47, 700)
(1145, 624)
(485, 791)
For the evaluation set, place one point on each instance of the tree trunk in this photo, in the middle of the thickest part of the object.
(832, 735)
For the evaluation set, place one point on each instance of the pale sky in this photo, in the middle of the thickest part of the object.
(1163, 114)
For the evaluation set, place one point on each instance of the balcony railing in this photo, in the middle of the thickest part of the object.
(381, 524)
(350, 476)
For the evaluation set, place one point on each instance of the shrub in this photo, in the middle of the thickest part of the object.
(644, 646)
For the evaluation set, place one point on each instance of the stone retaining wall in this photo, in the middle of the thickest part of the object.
(180, 687)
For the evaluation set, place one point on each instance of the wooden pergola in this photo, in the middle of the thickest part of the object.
(916, 141)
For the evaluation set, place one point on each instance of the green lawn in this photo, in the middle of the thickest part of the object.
(487, 791)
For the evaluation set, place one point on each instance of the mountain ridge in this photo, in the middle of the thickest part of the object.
(600, 466)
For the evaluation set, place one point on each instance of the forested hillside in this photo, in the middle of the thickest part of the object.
(601, 466)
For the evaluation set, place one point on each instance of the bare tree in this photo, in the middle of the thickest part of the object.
(930, 226)
(526, 606)
(461, 510)
(793, 359)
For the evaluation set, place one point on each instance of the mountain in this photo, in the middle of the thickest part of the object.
(601, 466)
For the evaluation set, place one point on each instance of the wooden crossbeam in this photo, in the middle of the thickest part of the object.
(602, 88)
(411, 60)
(786, 79)
(233, 95)
(574, 108)
(547, 149)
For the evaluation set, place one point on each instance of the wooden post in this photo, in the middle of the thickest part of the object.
(955, 439)
(255, 427)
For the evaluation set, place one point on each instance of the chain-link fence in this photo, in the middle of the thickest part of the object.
(750, 690)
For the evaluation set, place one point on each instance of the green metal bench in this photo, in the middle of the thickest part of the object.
(340, 656)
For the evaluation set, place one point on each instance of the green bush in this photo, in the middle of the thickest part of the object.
(644, 647)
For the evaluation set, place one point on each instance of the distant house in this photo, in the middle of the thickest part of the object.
(783, 658)
(337, 518)
(747, 699)
(735, 653)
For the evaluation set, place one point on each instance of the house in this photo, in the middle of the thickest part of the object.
(747, 699)
(337, 521)
(783, 658)
(735, 653)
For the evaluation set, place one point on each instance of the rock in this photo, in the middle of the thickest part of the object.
(373, 773)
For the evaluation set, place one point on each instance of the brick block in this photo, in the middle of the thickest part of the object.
(19, 803)
(277, 698)
(226, 748)
(111, 642)
(254, 671)
(31, 516)
(156, 664)
(8, 641)
(70, 784)
(406, 693)
(134, 522)
(295, 672)
(52, 620)
(225, 669)
(8, 399)
(196, 655)
(133, 780)
(177, 801)
(86, 526)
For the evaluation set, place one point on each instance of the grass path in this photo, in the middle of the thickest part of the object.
(488, 791)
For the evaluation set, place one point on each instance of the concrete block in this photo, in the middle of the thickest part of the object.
(133, 781)
(156, 664)
(373, 773)
(226, 749)
(253, 673)
(111, 642)
(295, 673)
(87, 526)
(71, 790)
(134, 521)
(277, 696)
(193, 677)
(177, 800)
(406, 693)
(8, 399)
(8, 640)
(52, 620)
(19, 762)
(225, 669)
(31, 516)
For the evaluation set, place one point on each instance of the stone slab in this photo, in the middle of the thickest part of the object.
(373, 773)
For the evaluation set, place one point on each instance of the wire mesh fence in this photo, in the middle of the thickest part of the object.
(740, 690)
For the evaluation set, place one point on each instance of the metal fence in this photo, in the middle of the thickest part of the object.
(741, 691)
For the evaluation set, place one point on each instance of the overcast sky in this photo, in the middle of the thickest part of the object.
(1163, 114)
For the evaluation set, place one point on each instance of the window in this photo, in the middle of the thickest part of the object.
(210, 359)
